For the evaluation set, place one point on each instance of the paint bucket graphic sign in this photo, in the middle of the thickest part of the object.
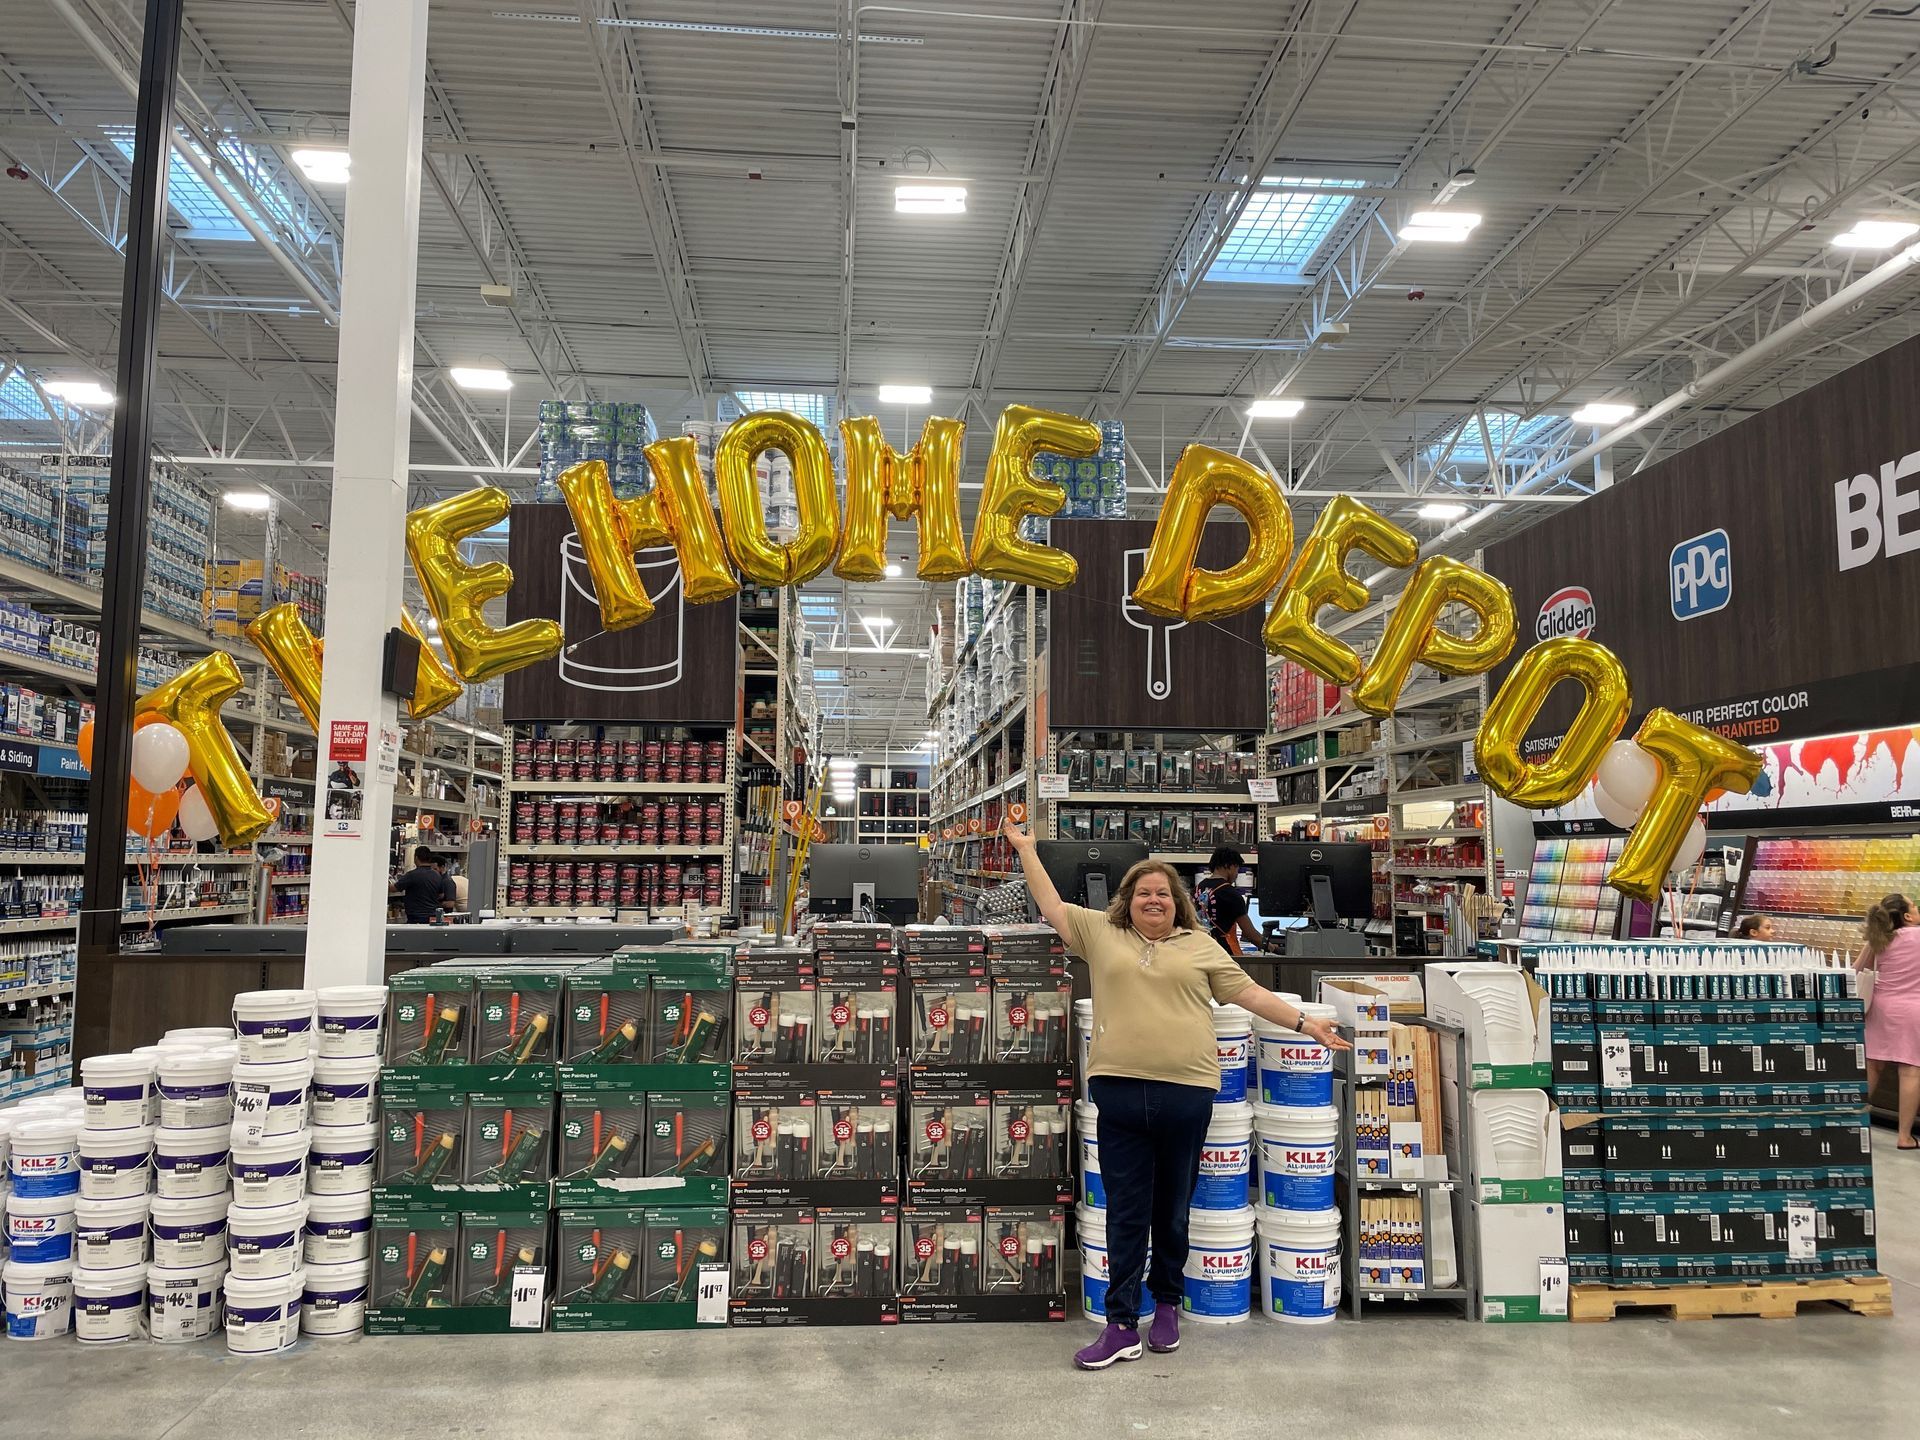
(596, 662)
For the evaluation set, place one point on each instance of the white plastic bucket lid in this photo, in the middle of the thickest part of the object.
(343, 1139)
(101, 1068)
(1314, 1010)
(198, 1209)
(130, 1141)
(251, 1290)
(199, 1033)
(207, 1272)
(1232, 1020)
(267, 1004)
(32, 1273)
(269, 1148)
(196, 1064)
(1221, 1224)
(99, 1284)
(352, 999)
(347, 1070)
(1299, 1227)
(276, 1074)
(1092, 1223)
(46, 1133)
(18, 1204)
(355, 1206)
(1264, 1026)
(327, 1277)
(193, 1140)
(1304, 1123)
(267, 1219)
(94, 1214)
(1232, 1121)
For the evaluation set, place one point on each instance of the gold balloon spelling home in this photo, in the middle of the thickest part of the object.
(1171, 584)
(755, 554)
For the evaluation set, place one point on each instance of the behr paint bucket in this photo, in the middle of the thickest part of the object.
(265, 1241)
(273, 1025)
(1297, 1149)
(1225, 1158)
(1093, 1189)
(263, 1316)
(349, 1025)
(115, 1164)
(39, 1298)
(190, 1164)
(339, 1228)
(340, 1161)
(333, 1299)
(1295, 1069)
(1299, 1265)
(116, 1088)
(270, 1171)
(1094, 1275)
(201, 1035)
(1233, 1044)
(183, 1303)
(345, 1092)
(270, 1097)
(110, 1234)
(189, 1233)
(110, 1306)
(196, 1087)
(1219, 1274)
(40, 1227)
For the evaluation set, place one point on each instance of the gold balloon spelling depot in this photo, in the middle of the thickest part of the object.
(923, 486)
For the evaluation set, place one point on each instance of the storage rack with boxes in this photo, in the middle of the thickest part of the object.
(893, 802)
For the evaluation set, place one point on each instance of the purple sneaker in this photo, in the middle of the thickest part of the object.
(1116, 1342)
(1165, 1332)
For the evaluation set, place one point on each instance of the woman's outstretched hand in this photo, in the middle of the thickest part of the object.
(1016, 836)
(1326, 1032)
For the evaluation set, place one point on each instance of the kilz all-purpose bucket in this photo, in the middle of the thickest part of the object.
(1297, 1148)
(1219, 1275)
(1224, 1159)
(1295, 1069)
(1093, 1191)
(1300, 1265)
(1233, 1043)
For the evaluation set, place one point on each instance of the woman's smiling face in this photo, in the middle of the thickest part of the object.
(1152, 910)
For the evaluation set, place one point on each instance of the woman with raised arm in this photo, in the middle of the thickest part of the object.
(1152, 1074)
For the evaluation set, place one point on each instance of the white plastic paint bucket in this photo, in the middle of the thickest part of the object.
(1094, 1274)
(44, 1157)
(1083, 1030)
(1219, 1274)
(1300, 1265)
(39, 1298)
(117, 1089)
(270, 1097)
(1093, 1189)
(264, 1241)
(1225, 1159)
(189, 1233)
(339, 1228)
(115, 1163)
(271, 1171)
(333, 1298)
(262, 1315)
(195, 1087)
(273, 1025)
(189, 1164)
(110, 1234)
(110, 1306)
(184, 1303)
(151, 1053)
(40, 1227)
(1297, 1150)
(1233, 1044)
(1295, 1069)
(201, 1035)
(349, 1025)
(341, 1159)
(345, 1092)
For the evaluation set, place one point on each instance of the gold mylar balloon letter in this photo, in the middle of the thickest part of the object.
(678, 501)
(191, 702)
(1413, 634)
(1557, 778)
(434, 687)
(1012, 493)
(291, 652)
(754, 553)
(1692, 762)
(457, 591)
(1319, 578)
(923, 484)
(1171, 584)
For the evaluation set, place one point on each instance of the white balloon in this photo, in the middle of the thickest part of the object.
(160, 756)
(1616, 813)
(195, 818)
(1691, 848)
(1628, 774)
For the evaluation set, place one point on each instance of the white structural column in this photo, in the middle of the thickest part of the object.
(346, 939)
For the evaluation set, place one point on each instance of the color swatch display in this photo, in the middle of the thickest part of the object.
(1819, 890)
(1567, 894)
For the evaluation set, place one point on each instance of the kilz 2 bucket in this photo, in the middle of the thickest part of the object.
(1233, 1044)
(1300, 1265)
(1224, 1159)
(1297, 1148)
(1093, 1190)
(1219, 1274)
(1295, 1069)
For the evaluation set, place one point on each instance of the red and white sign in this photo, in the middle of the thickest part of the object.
(1568, 611)
(348, 741)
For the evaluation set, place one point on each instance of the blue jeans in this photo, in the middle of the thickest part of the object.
(1151, 1133)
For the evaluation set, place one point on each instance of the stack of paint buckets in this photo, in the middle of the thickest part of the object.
(39, 1196)
(340, 1164)
(1296, 1146)
(192, 1156)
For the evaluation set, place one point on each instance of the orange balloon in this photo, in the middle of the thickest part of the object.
(151, 815)
(1712, 795)
(83, 742)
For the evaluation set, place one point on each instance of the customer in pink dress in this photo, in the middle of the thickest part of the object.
(1893, 1019)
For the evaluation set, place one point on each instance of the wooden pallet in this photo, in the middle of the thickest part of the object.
(1770, 1300)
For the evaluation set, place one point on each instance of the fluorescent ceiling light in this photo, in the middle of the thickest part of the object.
(893, 572)
(1447, 226)
(79, 392)
(906, 395)
(324, 167)
(699, 27)
(253, 500)
(1441, 510)
(481, 377)
(1275, 408)
(917, 199)
(843, 762)
(1601, 413)
(1875, 234)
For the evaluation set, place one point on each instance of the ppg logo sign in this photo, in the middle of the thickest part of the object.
(1700, 573)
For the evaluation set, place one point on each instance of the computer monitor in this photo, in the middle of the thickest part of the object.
(861, 882)
(1089, 873)
(1328, 880)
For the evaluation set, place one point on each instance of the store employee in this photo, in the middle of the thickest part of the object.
(1152, 1074)
(424, 892)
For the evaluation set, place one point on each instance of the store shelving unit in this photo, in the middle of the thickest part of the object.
(776, 727)
(899, 800)
(1436, 806)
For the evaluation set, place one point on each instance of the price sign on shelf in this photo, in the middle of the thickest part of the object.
(1616, 1062)
(1553, 1284)
(526, 1309)
(250, 1111)
(1263, 790)
(711, 1306)
(1055, 787)
(1017, 813)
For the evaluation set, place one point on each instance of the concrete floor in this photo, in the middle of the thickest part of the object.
(1636, 1377)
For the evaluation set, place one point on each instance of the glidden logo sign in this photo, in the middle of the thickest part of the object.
(1568, 611)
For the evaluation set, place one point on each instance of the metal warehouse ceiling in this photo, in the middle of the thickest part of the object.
(691, 200)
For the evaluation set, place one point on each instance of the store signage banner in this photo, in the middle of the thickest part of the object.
(1115, 666)
(678, 667)
(1765, 583)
